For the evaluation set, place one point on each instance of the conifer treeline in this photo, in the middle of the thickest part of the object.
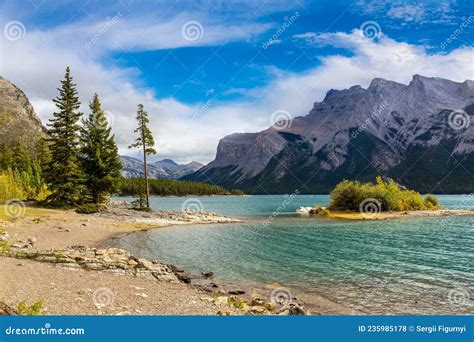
(171, 187)
(78, 163)
(74, 165)
(85, 166)
(21, 172)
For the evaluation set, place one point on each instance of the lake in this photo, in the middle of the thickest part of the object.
(398, 266)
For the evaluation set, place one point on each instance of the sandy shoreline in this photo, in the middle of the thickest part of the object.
(42, 266)
(384, 215)
(69, 291)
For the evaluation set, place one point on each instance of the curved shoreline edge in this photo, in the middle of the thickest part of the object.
(383, 215)
(65, 245)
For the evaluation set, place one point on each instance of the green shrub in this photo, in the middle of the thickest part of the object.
(236, 302)
(431, 201)
(348, 195)
(324, 212)
(10, 188)
(89, 208)
(5, 247)
(32, 310)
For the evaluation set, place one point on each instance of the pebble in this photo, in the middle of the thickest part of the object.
(137, 287)
(257, 302)
(224, 313)
(236, 292)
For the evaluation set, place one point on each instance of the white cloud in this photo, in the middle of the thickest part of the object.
(405, 12)
(183, 132)
(37, 62)
(385, 58)
(411, 13)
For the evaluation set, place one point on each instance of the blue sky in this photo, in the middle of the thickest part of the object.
(242, 62)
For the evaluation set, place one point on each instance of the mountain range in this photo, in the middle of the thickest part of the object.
(420, 134)
(166, 168)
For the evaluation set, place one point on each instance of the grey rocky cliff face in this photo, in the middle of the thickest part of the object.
(250, 152)
(19, 120)
(398, 117)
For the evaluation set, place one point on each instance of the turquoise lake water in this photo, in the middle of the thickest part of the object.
(398, 266)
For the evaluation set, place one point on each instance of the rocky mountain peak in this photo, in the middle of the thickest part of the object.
(19, 121)
(169, 161)
(356, 132)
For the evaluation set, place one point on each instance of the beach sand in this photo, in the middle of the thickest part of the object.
(70, 291)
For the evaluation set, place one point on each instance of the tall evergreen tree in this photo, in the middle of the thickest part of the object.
(63, 174)
(99, 156)
(146, 142)
(43, 154)
(6, 157)
(21, 159)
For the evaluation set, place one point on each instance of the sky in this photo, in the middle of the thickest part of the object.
(206, 69)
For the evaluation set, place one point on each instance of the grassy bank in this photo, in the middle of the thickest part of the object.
(17, 209)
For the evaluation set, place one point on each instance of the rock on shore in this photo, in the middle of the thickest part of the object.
(6, 310)
(115, 260)
(109, 259)
(165, 217)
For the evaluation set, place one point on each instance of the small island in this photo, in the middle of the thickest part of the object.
(378, 201)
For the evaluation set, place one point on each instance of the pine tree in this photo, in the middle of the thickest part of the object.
(21, 159)
(63, 174)
(99, 156)
(6, 157)
(146, 142)
(43, 154)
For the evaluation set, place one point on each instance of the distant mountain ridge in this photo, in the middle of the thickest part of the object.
(420, 134)
(166, 168)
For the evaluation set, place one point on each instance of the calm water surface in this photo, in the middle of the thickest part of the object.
(400, 266)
